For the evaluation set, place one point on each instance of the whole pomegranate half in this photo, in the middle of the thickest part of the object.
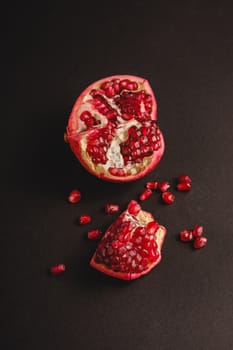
(112, 129)
(131, 246)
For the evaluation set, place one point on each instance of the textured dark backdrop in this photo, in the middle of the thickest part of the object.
(50, 52)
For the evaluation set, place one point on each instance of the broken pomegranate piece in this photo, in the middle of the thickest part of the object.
(131, 246)
(112, 129)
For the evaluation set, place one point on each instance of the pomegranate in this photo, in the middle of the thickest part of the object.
(112, 129)
(131, 246)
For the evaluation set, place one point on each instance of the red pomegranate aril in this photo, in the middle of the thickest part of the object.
(163, 186)
(152, 185)
(145, 194)
(168, 197)
(74, 196)
(184, 186)
(133, 207)
(186, 235)
(198, 231)
(94, 234)
(84, 219)
(111, 208)
(184, 178)
(152, 227)
(200, 242)
(57, 269)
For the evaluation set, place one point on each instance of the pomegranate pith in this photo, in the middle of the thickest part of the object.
(112, 129)
(131, 246)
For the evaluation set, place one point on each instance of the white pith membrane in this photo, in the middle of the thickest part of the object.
(112, 152)
(112, 236)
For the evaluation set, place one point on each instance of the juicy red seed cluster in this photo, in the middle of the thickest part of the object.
(57, 269)
(142, 142)
(184, 183)
(195, 235)
(98, 143)
(102, 106)
(125, 248)
(74, 196)
(136, 105)
(84, 219)
(111, 208)
(94, 234)
(114, 87)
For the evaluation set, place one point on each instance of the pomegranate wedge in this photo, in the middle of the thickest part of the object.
(112, 129)
(131, 246)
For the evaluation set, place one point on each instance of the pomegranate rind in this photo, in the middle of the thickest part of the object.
(143, 217)
(77, 146)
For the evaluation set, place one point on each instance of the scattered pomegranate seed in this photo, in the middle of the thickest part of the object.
(111, 208)
(163, 186)
(94, 234)
(198, 231)
(168, 197)
(184, 186)
(152, 185)
(184, 178)
(58, 269)
(84, 219)
(145, 194)
(74, 196)
(186, 235)
(200, 242)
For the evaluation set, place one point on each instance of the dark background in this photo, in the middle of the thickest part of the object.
(50, 52)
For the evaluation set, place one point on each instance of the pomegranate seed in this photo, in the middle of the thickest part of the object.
(163, 186)
(74, 196)
(84, 219)
(184, 178)
(186, 235)
(198, 231)
(133, 208)
(152, 185)
(94, 234)
(111, 208)
(58, 269)
(152, 227)
(145, 194)
(168, 197)
(184, 186)
(200, 242)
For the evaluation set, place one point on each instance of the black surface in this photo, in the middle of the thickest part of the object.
(50, 52)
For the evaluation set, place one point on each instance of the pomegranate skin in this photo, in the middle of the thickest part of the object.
(77, 137)
(141, 218)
